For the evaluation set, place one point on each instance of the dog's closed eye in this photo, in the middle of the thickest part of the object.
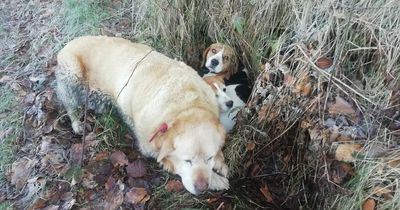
(209, 158)
(188, 161)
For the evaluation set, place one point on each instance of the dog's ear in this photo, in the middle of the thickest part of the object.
(233, 67)
(165, 150)
(204, 58)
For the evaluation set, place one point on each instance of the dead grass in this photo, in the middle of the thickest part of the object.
(360, 36)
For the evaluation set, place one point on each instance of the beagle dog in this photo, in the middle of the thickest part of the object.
(219, 60)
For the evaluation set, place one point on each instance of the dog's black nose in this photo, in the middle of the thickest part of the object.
(229, 104)
(214, 62)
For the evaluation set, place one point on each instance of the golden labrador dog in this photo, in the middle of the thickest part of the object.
(171, 110)
(220, 60)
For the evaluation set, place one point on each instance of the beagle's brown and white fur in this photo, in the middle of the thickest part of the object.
(175, 118)
(220, 60)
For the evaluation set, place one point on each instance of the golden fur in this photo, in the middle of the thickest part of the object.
(154, 95)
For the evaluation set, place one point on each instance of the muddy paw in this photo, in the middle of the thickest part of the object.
(78, 127)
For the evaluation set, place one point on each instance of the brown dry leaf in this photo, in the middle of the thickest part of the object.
(267, 194)
(266, 113)
(344, 152)
(118, 158)
(341, 106)
(250, 146)
(115, 195)
(137, 195)
(303, 86)
(20, 171)
(324, 62)
(103, 155)
(340, 171)
(174, 186)
(394, 163)
(369, 204)
(254, 170)
(136, 169)
(88, 181)
(76, 153)
(288, 79)
(383, 192)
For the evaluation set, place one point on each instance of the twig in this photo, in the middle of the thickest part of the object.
(134, 68)
(220, 206)
(84, 124)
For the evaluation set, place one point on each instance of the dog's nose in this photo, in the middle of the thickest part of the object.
(229, 104)
(201, 185)
(214, 62)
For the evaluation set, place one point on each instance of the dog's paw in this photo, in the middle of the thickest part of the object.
(220, 168)
(78, 127)
(218, 182)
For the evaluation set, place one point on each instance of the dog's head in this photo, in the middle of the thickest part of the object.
(220, 59)
(225, 102)
(190, 146)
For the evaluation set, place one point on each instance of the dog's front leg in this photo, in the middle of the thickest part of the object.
(67, 94)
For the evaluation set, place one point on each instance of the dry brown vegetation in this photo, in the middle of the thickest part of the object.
(321, 130)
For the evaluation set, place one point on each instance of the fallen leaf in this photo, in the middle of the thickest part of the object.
(394, 163)
(88, 180)
(136, 169)
(341, 171)
(254, 170)
(174, 186)
(5, 79)
(267, 113)
(76, 153)
(67, 196)
(369, 204)
(383, 192)
(115, 196)
(137, 195)
(267, 194)
(118, 158)
(288, 79)
(51, 207)
(20, 172)
(324, 62)
(303, 86)
(103, 155)
(344, 152)
(250, 146)
(341, 106)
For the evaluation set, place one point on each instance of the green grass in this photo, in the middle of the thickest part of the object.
(112, 132)
(10, 123)
(10, 127)
(83, 17)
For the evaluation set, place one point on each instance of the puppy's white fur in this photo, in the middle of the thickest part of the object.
(228, 118)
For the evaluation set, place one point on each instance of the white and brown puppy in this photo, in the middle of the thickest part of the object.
(219, 59)
(175, 118)
(229, 101)
(225, 103)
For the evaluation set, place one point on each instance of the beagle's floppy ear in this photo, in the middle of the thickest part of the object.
(204, 58)
(233, 67)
